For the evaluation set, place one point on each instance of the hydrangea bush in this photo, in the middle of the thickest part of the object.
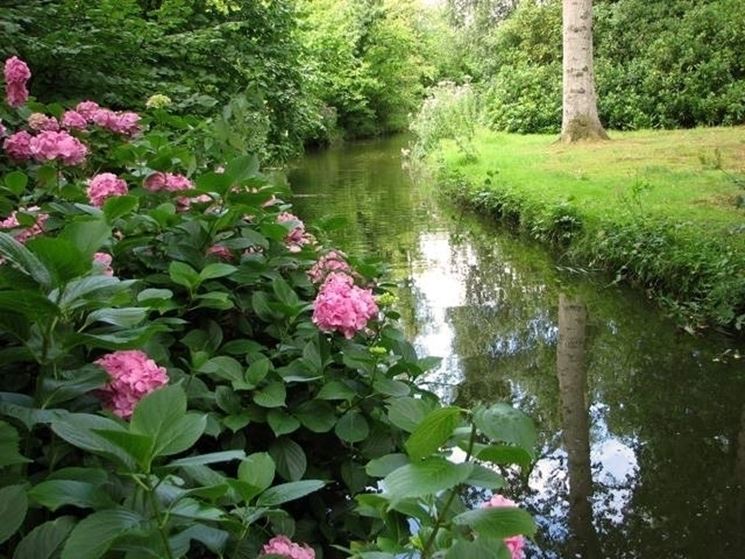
(187, 372)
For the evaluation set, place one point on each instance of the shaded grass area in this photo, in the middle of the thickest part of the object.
(656, 208)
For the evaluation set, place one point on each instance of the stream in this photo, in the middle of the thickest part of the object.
(642, 426)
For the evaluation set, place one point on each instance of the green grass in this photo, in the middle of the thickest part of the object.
(660, 207)
(598, 178)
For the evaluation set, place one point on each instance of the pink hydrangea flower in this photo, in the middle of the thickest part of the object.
(18, 146)
(74, 120)
(514, 543)
(102, 262)
(155, 182)
(170, 182)
(87, 109)
(297, 237)
(24, 234)
(103, 186)
(342, 306)
(41, 122)
(284, 546)
(332, 261)
(17, 75)
(133, 376)
(105, 118)
(50, 145)
(127, 123)
(221, 252)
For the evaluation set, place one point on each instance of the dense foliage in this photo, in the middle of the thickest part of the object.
(186, 372)
(657, 65)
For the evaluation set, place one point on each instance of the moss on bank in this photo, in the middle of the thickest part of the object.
(656, 208)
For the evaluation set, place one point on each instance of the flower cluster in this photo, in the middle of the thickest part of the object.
(73, 120)
(102, 262)
(103, 186)
(342, 306)
(133, 376)
(158, 101)
(332, 261)
(17, 75)
(25, 233)
(221, 252)
(297, 237)
(18, 146)
(169, 182)
(514, 543)
(41, 122)
(61, 146)
(284, 546)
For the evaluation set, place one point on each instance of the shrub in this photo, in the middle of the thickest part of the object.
(166, 390)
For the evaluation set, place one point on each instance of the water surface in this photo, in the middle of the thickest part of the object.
(642, 426)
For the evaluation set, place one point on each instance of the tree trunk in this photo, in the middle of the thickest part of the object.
(570, 367)
(580, 115)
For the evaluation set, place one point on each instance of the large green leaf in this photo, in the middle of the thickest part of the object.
(503, 423)
(183, 274)
(125, 317)
(288, 492)
(63, 259)
(257, 470)
(88, 236)
(94, 535)
(406, 413)
(504, 454)
(498, 522)
(9, 454)
(212, 538)
(117, 206)
(71, 384)
(281, 422)
(427, 477)
(13, 507)
(28, 303)
(289, 458)
(352, 427)
(316, 415)
(432, 432)
(381, 467)
(45, 541)
(210, 458)
(79, 429)
(272, 395)
(25, 260)
(481, 548)
(57, 493)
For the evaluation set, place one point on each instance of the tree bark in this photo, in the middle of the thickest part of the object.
(580, 119)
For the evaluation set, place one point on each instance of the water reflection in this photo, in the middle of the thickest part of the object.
(646, 459)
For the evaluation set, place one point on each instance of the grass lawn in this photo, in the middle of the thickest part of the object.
(683, 175)
(656, 207)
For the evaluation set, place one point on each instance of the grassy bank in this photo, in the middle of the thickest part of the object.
(657, 208)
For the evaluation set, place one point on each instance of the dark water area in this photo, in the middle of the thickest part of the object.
(642, 446)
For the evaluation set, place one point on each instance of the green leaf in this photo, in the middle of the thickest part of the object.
(288, 492)
(154, 294)
(260, 305)
(503, 423)
(88, 235)
(16, 182)
(94, 535)
(63, 259)
(316, 416)
(352, 427)
(481, 548)
(497, 522)
(223, 367)
(72, 384)
(284, 292)
(183, 274)
(79, 429)
(271, 396)
(139, 447)
(78, 289)
(427, 477)
(484, 477)
(13, 507)
(192, 508)
(45, 541)
(336, 390)
(210, 458)
(9, 454)
(124, 317)
(432, 432)
(214, 182)
(57, 493)
(118, 206)
(213, 539)
(242, 167)
(504, 454)
(381, 467)
(28, 303)
(162, 416)
(391, 387)
(217, 270)
(406, 413)
(281, 422)
(289, 458)
(25, 260)
(257, 470)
